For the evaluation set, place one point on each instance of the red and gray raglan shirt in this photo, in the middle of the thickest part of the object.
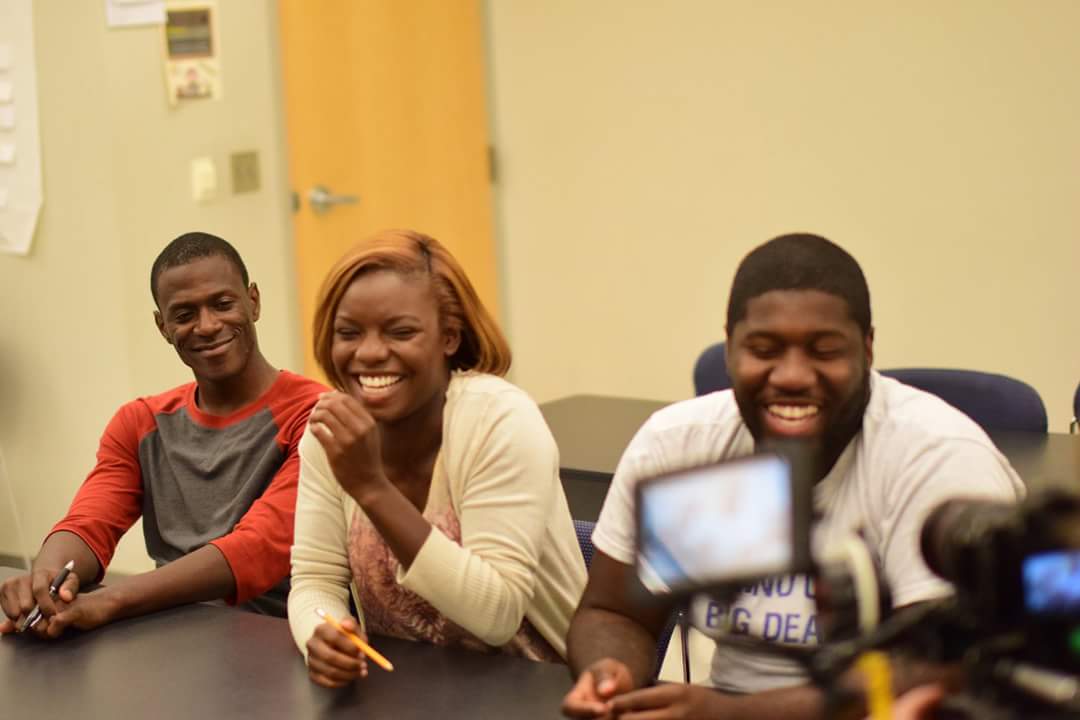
(197, 479)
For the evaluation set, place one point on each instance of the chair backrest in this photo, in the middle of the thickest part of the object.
(995, 402)
(710, 371)
(584, 530)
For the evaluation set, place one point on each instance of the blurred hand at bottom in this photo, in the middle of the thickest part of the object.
(595, 687)
(918, 703)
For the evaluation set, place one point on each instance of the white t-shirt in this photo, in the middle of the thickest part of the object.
(914, 451)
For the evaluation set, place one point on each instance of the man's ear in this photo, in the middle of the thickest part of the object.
(160, 322)
(868, 339)
(253, 295)
(451, 340)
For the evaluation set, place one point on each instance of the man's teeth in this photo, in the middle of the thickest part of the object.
(377, 382)
(793, 412)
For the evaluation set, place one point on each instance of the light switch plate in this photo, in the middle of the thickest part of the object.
(203, 179)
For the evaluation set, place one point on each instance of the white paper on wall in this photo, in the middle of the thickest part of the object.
(129, 13)
(7, 91)
(20, 177)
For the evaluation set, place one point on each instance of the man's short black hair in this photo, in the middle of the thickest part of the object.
(800, 261)
(190, 247)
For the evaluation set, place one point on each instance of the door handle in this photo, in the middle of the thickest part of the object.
(323, 200)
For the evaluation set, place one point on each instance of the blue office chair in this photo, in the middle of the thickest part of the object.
(995, 402)
(584, 530)
(1076, 411)
(710, 371)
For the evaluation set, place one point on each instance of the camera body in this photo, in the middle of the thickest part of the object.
(1013, 624)
(1016, 570)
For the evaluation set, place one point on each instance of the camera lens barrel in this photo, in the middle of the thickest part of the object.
(959, 534)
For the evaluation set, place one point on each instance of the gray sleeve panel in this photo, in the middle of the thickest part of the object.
(198, 482)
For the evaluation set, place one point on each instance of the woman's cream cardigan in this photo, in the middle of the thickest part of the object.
(518, 556)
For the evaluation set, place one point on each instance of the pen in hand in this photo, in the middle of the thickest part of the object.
(364, 647)
(35, 615)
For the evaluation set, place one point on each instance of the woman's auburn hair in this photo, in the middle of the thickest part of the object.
(483, 347)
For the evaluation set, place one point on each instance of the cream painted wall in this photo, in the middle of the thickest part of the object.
(77, 337)
(645, 147)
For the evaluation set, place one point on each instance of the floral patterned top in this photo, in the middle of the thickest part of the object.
(390, 609)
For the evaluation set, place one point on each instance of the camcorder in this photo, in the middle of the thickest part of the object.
(1014, 622)
(1012, 625)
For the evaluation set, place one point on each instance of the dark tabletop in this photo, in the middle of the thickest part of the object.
(206, 662)
(593, 430)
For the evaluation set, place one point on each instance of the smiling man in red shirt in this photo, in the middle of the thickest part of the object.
(211, 466)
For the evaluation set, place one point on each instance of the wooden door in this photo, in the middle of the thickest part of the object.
(385, 99)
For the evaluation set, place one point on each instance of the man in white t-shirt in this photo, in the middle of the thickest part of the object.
(799, 352)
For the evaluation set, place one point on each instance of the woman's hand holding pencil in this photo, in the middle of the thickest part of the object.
(336, 652)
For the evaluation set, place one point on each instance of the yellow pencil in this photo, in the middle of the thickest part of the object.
(364, 647)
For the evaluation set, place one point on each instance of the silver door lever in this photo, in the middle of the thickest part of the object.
(322, 199)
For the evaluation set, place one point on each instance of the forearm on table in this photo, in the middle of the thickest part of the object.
(305, 598)
(64, 546)
(807, 702)
(320, 574)
(199, 576)
(803, 702)
(596, 634)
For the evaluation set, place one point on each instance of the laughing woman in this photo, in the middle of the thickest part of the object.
(429, 486)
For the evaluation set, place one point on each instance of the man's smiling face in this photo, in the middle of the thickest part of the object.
(208, 315)
(800, 369)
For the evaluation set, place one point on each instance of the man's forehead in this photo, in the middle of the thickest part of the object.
(210, 275)
(798, 307)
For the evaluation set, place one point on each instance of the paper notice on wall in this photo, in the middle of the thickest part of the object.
(20, 146)
(192, 56)
(130, 13)
(17, 227)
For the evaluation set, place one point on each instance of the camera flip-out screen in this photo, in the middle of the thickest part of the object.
(1052, 583)
(722, 524)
